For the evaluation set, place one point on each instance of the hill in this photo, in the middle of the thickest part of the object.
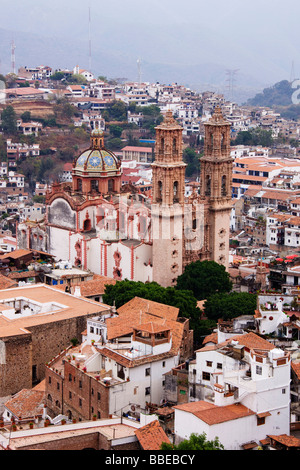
(280, 98)
(279, 94)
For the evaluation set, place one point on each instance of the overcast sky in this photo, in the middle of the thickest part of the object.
(258, 37)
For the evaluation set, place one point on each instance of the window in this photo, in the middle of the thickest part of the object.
(70, 377)
(219, 365)
(147, 372)
(205, 375)
(258, 370)
(99, 396)
(147, 391)
(49, 380)
(283, 391)
(164, 364)
(80, 384)
(80, 402)
(260, 421)
(209, 363)
(70, 395)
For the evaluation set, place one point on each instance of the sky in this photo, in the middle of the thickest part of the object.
(259, 38)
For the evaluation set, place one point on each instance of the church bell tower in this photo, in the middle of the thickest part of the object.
(168, 172)
(216, 182)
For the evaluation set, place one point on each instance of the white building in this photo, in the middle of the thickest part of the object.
(240, 390)
(134, 350)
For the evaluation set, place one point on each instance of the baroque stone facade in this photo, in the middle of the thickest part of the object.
(113, 231)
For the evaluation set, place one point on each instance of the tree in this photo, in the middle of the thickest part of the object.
(204, 278)
(192, 160)
(229, 306)
(57, 76)
(26, 116)
(115, 130)
(9, 120)
(195, 442)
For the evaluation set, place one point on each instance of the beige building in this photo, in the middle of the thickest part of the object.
(36, 323)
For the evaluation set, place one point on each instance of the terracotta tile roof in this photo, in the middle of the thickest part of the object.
(141, 311)
(151, 436)
(289, 441)
(251, 341)
(296, 368)
(212, 414)
(26, 403)
(151, 327)
(213, 338)
(156, 309)
(15, 254)
(6, 282)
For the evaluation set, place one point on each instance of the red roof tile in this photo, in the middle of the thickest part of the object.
(151, 436)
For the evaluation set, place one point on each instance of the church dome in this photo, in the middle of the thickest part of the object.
(97, 158)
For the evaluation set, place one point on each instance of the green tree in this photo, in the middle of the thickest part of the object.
(57, 76)
(195, 442)
(230, 305)
(204, 278)
(114, 144)
(26, 116)
(115, 130)
(255, 136)
(191, 158)
(9, 120)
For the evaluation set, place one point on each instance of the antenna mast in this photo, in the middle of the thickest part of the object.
(292, 77)
(13, 57)
(139, 71)
(90, 42)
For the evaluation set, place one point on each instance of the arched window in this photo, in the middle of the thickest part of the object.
(87, 225)
(142, 226)
(175, 192)
(207, 185)
(111, 185)
(174, 146)
(95, 185)
(162, 144)
(223, 186)
(159, 191)
(223, 142)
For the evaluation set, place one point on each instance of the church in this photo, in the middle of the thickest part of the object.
(112, 230)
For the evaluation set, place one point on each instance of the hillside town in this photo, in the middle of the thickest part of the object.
(109, 188)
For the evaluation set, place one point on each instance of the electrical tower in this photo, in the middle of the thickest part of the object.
(13, 57)
(231, 82)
